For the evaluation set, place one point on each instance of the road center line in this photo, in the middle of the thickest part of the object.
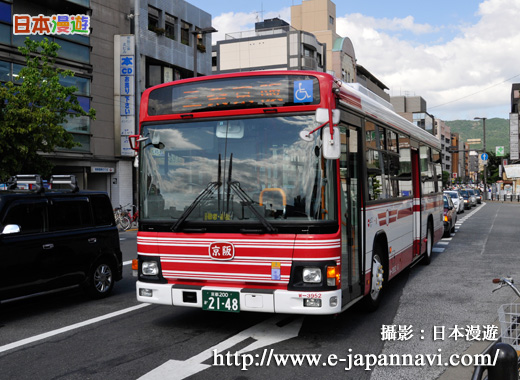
(36, 338)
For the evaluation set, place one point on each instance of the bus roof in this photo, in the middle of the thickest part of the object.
(350, 94)
(353, 96)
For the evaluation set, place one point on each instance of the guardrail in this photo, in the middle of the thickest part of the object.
(505, 197)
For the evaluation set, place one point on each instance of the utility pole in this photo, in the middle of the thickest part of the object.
(484, 146)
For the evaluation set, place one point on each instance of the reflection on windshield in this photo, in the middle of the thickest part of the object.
(249, 169)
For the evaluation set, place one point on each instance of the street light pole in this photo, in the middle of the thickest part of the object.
(484, 147)
(202, 31)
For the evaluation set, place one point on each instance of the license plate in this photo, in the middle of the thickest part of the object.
(221, 300)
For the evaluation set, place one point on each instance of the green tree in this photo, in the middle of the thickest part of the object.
(33, 110)
(493, 166)
(446, 180)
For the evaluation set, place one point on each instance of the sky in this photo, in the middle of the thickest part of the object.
(461, 56)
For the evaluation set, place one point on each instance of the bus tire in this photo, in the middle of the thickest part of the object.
(373, 298)
(427, 258)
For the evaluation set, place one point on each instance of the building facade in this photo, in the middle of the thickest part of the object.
(171, 40)
(513, 122)
(444, 135)
(273, 45)
(414, 109)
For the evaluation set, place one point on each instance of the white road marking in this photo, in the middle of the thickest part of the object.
(65, 329)
(265, 333)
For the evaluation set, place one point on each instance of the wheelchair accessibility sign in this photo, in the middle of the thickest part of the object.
(303, 91)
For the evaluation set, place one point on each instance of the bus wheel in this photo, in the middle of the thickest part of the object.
(427, 259)
(376, 283)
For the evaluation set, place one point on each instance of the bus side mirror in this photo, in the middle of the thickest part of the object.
(331, 147)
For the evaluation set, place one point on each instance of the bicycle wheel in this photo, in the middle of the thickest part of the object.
(125, 223)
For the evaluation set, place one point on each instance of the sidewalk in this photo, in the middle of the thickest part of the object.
(460, 372)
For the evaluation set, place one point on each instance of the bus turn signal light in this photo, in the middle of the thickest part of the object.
(333, 276)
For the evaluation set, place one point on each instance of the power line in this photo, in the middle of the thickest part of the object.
(475, 93)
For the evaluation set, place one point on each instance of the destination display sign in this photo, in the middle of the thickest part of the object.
(234, 93)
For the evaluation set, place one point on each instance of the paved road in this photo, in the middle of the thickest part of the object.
(118, 338)
(457, 289)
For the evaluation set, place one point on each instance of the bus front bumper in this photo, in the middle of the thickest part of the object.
(259, 300)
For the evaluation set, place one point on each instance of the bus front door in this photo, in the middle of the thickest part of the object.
(351, 257)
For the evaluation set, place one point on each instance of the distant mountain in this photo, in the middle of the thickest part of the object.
(497, 132)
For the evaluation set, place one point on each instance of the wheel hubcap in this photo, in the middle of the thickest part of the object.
(103, 278)
(377, 277)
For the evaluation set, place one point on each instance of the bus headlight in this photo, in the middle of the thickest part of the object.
(312, 275)
(150, 268)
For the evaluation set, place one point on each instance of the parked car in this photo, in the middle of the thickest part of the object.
(450, 216)
(457, 199)
(52, 239)
(478, 196)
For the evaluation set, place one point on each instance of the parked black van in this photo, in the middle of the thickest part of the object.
(56, 238)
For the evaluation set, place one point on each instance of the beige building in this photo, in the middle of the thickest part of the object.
(319, 18)
(273, 45)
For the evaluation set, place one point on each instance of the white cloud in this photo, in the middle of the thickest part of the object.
(473, 63)
(469, 66)
(232, 23)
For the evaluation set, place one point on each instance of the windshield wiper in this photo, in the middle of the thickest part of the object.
(204, 194)
(246, 199)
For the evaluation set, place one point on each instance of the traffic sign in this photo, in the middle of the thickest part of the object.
(484, 156)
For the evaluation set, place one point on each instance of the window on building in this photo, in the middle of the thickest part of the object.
(5, 34)
(153, 18)
(331, 20)
(5, 12)
(5, 71)
(169, 26)
(154, 75)
(185, 33)
(157, 73)
(308, 53)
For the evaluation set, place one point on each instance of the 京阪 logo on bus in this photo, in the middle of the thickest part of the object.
(221, 250)
(55, 24)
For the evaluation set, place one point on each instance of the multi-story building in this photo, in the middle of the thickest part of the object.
(444, 135)
(459, 156)
(273, 45)
(513, 122)
(414, 109)
(319, 18)
(171, 40)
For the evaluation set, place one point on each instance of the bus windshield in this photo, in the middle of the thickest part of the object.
(253, 169)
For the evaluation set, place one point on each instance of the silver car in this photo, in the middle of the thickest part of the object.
(469, 199)
(473, 195)
(457, 199)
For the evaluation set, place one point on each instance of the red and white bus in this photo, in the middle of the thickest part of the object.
(281, 192)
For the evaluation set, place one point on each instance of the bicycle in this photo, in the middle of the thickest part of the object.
(509, 315)
(121, 217)
(509, 318)
(132, 215)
